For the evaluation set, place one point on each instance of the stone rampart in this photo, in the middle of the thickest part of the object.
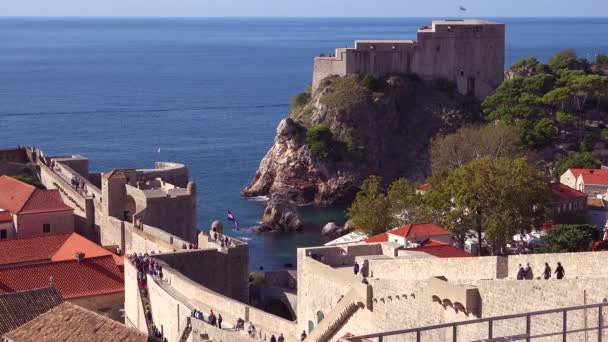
(587, 264)
(174, 173)
(134, 311)
(424, 268)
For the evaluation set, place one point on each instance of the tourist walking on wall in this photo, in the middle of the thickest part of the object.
(559, 271)
(547, 271)
(521, 273)
(219, 321)
(303, 336)
(281, 338)
(529, 275)
(356, 268)
(273, 339)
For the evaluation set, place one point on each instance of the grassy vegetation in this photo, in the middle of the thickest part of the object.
(319, 139)
(348, 93)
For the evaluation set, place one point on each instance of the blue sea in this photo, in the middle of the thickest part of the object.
(207, 92)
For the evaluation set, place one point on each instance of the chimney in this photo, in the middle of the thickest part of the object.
(79, 256)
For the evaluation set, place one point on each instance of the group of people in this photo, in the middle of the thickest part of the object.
(212, 319)
(279, 339)
(79, 185)
(145, 266)
(527, 273)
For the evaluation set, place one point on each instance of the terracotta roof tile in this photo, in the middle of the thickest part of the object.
(14, 194)
(89, 277)
(378, 238)
(441, 250)
(76, 243)
(418, 230)
(69, 322)
(40, 248)
(563, 192)
(592, 176)
(19, 308)
(44, 201)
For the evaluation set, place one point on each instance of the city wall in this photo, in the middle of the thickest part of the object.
(134, 311)
(174, 173)
(109, 305)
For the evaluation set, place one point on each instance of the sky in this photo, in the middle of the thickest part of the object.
(305, 8)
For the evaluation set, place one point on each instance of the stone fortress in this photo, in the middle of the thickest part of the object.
(468, 52)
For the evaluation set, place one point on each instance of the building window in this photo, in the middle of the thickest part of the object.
(46, 228)
(3, 234)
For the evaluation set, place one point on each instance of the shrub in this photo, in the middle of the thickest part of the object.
(528, 63)
(300, 100)
(576, 160)
(371, 82)
(601, 60)
(565, 117)
(319, 139)
(568, 238)
(348, 93)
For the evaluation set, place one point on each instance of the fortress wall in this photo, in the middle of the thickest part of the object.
(327, 66)
(225, 272)
(333, 256)
(84, 208)
(424, 268)
(380, 58)
(112, 232)
(174, 173)
(320, 287)
(201, 328)
(168, 313)
(68, 172)
(468, 51)
(13, 155)
(134, 312)
(587, 264)
(79, 165)
(271, 324)
(174, 215)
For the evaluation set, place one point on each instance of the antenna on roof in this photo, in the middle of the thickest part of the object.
(51, 282)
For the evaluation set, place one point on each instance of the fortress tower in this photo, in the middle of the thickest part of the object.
(470, 52)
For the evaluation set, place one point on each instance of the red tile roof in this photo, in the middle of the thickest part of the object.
(43, 201)
(49, 248)
(563, 192)
(419, 230)
(5, 216)
(378, 238)
(441, 250)
(425, 187)
(592, 176)
(21, 198)
(14, 194)
(90, 277)
(35, 249)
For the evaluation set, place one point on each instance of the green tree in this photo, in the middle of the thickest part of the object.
(565, 117)
(405, 206)
(457, 149)
(530, 63)
(568, 238)
(601, 60)
(319, 139)
(501, 197)
(370, 210)
(585, 160)
(567, 59)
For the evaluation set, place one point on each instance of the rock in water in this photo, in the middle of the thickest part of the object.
(329, 229)
(281, 213)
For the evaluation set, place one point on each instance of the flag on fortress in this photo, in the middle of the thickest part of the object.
(462, 8)
(233, 219)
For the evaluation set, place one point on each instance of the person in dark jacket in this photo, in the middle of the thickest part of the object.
(559, 271)
(547, 272)
(356, 268)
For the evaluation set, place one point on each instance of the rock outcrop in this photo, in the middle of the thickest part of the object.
(384, 132)
(281, 213)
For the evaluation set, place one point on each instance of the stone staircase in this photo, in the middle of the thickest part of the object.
(332, 323)
(186, 332)
(145, 301)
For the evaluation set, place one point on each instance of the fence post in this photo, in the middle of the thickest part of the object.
(417, 335)
(490, 328)
(454, 333)
(564, 325)
(528, 333)
(600, 323)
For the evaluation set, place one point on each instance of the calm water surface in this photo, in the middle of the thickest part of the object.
(207, 92)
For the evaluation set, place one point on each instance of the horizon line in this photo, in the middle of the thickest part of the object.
(285, 17)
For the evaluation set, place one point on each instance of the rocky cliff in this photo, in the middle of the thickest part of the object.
(352, 128)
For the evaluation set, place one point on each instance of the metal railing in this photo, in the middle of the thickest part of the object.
(490, 327)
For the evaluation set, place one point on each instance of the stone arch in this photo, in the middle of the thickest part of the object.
(129, 208)
(311, 326)
(278, 308)
(320, 316)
